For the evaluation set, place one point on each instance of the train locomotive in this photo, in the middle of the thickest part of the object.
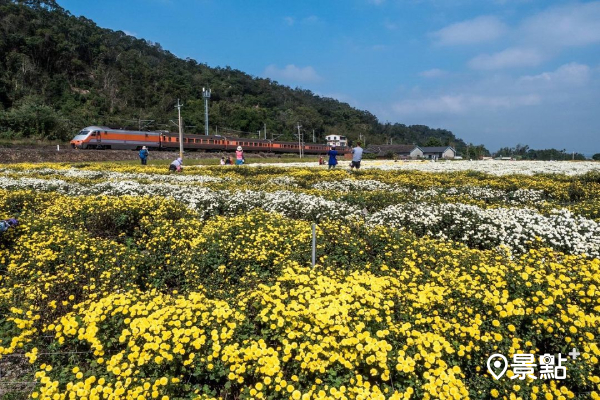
(101, 137)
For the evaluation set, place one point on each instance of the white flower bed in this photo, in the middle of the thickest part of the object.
(483, 228)
(488, 166)
(348, 185)
(488, 228)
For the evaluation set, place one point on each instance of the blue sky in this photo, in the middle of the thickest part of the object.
(495, 72)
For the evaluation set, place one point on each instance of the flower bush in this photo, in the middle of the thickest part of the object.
(125, 283)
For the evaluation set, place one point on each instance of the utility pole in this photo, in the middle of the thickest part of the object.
(178, 107)
(299, 140)
(206, 95)
(314, 141)
(265, 131)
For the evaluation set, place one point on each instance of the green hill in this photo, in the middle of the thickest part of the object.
(59, 73)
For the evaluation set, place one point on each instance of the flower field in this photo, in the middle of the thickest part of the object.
(125, 282)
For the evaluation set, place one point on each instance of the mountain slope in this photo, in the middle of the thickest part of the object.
(61, 73)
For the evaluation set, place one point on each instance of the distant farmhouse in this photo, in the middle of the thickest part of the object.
(336, 140)
(404, 151)
(446, 152)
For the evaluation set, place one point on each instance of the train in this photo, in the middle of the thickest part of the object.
(102, 137)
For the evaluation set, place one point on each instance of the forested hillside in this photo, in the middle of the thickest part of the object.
(59, 73)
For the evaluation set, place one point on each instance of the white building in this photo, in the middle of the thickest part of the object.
(439, 152)
(336, 140)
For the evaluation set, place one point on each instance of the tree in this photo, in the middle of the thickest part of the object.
(596, 157)
(433, 142)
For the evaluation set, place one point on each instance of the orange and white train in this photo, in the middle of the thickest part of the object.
(101, 137)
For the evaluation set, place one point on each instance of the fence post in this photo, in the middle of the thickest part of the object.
(314, 244)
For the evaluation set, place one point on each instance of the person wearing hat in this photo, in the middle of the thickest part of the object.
(177, 165)
(239, 156)
(8, 223)
(332, 157)
(144, 155)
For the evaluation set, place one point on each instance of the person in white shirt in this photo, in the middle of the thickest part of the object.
(177, 165)
(357, 153)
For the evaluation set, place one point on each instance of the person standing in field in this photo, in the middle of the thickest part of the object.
(357, 153)
(239, 156)
(332, 153)
(144, 155)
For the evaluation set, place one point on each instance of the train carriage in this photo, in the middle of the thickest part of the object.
(101, 137)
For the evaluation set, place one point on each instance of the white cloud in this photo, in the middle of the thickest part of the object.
(462, 104)
(289, 21)
(509, 58)
(479, 30)
(376, 2)
(379, 47)
(564, 26)
(311, 19)
(292, 73)
(433, 73)
(569, 74)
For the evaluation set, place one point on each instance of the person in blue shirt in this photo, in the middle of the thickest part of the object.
(357, 153)
(144, 155)
(332, 157)
(7, 223)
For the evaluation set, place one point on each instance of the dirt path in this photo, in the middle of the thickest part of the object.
(36, 154)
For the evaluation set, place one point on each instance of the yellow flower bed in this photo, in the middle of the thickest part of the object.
(138, 297)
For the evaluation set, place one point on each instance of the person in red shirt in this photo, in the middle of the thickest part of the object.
(239, 156)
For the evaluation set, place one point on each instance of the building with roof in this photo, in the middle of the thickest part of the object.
(395, 150)
(434, 153)
(336, 140)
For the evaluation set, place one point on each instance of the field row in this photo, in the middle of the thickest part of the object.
(130, 283)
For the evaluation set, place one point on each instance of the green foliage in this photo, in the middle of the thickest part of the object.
(525, 153)
(596, 157)
(433, 142)
(61, 73)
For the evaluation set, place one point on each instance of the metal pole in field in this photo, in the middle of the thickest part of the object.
(299, 141)
(314, 244)
(178, 107)
(206, 95)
